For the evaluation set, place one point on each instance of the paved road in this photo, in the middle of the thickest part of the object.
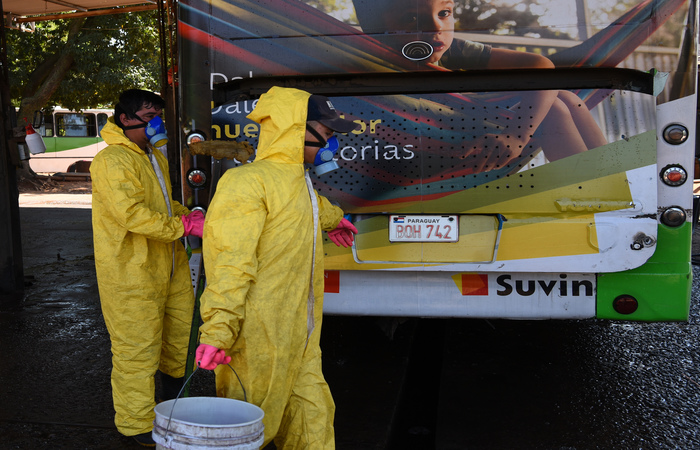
(41, 200)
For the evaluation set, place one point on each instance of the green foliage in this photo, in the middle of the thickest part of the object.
(110, 53)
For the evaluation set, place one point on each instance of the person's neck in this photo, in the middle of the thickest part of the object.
(134, 137)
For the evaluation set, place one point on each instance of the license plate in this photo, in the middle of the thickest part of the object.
(423, 228)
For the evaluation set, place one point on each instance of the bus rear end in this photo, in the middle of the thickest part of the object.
(491, 191)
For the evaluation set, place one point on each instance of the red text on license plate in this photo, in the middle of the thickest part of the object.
(423, 228)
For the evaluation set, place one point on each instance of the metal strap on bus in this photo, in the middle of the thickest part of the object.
(407, 83)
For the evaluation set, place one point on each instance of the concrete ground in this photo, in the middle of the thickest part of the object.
(56, 350)
(55, 374)
(57, 361)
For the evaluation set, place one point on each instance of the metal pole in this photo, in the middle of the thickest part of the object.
(11, 264)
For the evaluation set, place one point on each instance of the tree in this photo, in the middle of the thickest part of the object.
(82, 63)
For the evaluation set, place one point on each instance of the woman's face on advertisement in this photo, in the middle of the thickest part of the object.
(426, 20)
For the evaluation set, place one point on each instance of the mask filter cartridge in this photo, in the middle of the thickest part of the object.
(156, 133)
(323, 163)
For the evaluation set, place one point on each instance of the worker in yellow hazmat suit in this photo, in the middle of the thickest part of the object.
(142, 269)
(263, 254)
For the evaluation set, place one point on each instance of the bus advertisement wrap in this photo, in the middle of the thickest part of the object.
(564, 195)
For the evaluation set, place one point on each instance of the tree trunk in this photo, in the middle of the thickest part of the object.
(43, 83)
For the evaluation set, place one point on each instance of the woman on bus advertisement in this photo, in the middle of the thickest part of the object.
(402, 134)
(567, 126)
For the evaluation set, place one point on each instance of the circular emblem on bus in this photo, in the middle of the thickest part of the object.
(417, 50)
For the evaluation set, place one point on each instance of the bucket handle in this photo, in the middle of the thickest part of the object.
(167, 428)
(245, 397)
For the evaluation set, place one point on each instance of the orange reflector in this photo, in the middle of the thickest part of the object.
(196, 178)
(675, 177)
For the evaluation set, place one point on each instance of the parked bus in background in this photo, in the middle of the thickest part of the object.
(542, 172)
(72, 140)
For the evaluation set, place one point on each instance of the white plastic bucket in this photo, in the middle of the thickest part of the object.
(208, 423)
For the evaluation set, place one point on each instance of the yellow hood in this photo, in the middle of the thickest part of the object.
(281, 112)
(113, 135)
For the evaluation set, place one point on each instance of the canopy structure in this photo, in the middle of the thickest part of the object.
(22, 14)
(17, 12)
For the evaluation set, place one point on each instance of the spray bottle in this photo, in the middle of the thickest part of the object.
(34, 141)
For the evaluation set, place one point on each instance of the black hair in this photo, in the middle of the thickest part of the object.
(133, 100)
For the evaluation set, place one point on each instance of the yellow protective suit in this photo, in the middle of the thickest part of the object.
(259, 258)
(143, 275)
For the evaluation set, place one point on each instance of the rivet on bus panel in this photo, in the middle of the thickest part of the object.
(625, 304)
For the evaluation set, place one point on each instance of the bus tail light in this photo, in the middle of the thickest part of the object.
(673, 217)
(196, 178)
(674, 175)
(675, 134)
(195, 136)
(625, 304)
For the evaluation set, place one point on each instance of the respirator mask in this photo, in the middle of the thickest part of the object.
(324, 163)
(154, 129)
(156, 133)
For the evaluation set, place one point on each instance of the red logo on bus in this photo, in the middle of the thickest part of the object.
(472, 283)
(332, 281)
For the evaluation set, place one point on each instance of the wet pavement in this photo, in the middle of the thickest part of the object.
(442, 384)
(56, 364)
(571, 385)
(56, 353)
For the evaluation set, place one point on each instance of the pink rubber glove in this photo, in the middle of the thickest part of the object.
(208, 357)
(193, 223)
(343, 234)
